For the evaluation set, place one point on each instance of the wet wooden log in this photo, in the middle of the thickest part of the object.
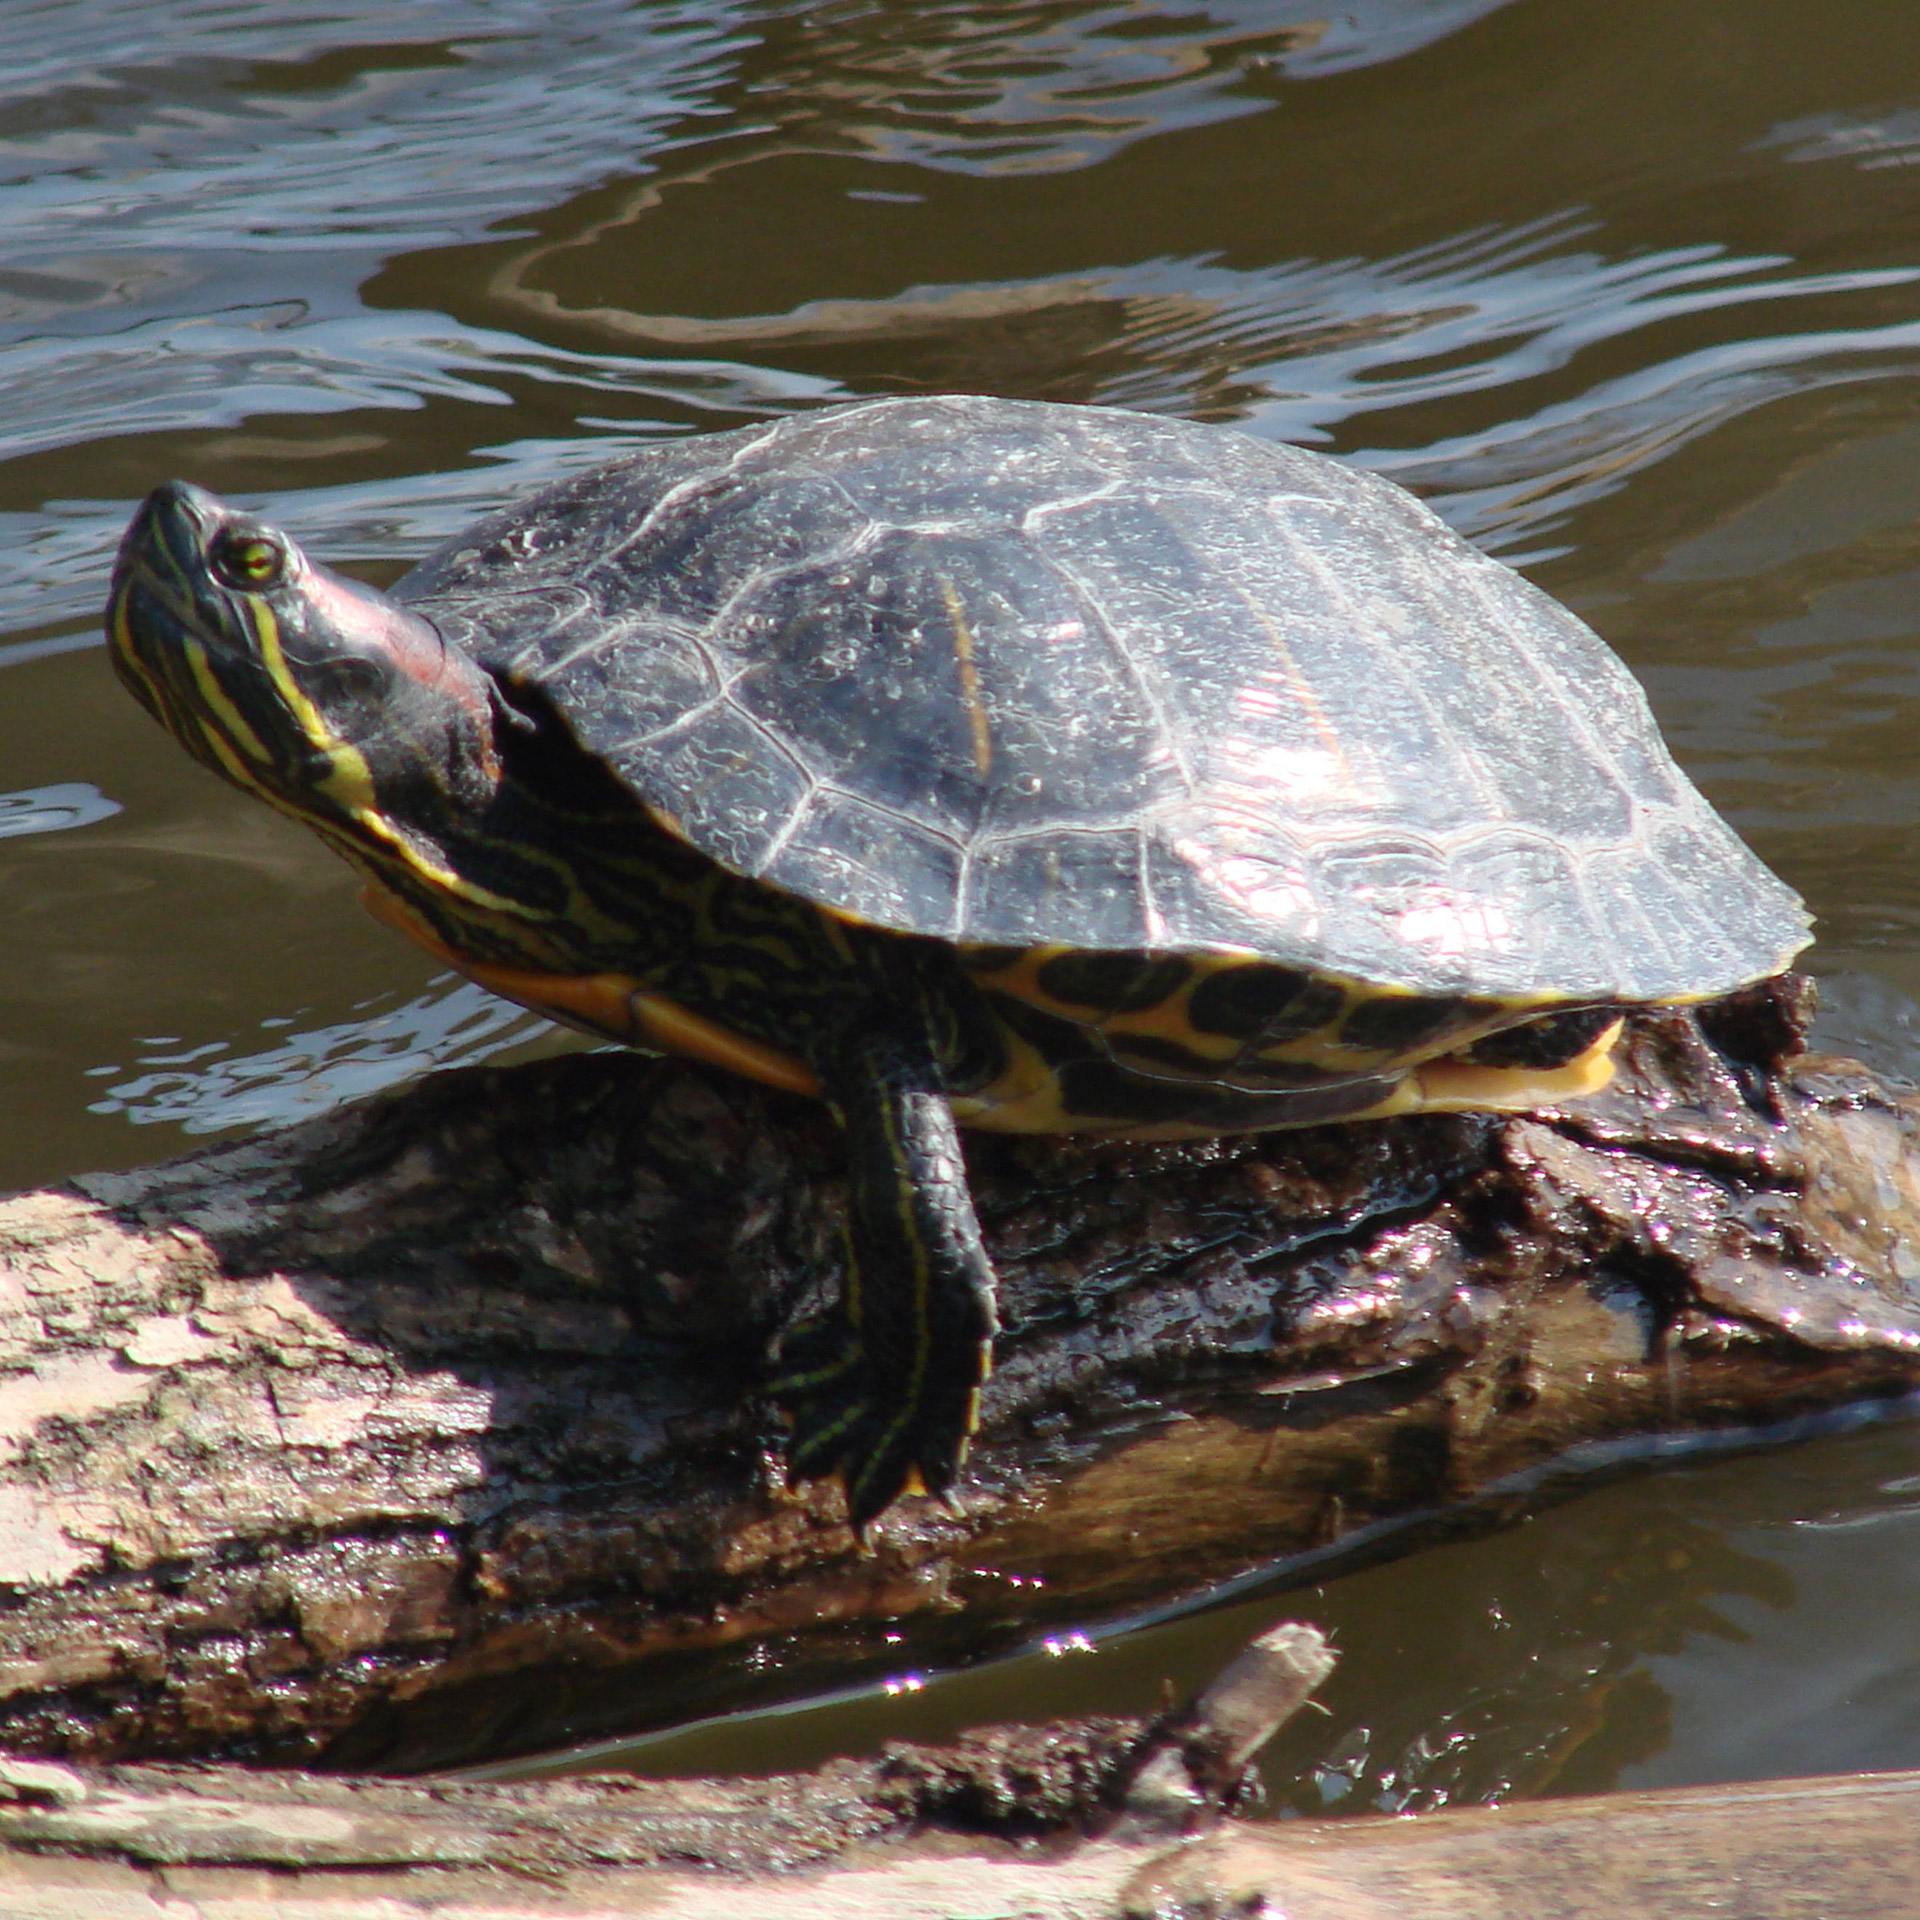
(997, 1828)
(433, 1428)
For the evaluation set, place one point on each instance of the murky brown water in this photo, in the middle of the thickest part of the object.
(1630, 289)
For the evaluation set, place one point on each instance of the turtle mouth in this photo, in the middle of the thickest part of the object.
(167, 539)
(161, 577)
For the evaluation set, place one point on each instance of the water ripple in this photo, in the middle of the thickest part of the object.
(210, 1088)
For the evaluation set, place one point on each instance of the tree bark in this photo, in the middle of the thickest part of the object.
(431, 1428)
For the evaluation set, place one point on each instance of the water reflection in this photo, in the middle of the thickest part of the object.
(1715, 1624)
(210, 1087)
(1295, 351)
(54, 559)
(1885, 140)
(71, 803)
(1645, 1635)
(1868, 1018)
(1295, 348)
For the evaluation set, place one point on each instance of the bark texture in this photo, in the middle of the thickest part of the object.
(432, 1428)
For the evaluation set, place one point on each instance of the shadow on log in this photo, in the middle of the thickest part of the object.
(431, 1428)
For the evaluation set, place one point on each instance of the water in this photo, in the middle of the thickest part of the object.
(1630, 291)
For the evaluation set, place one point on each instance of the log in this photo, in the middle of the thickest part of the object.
(996, 1828)
(432, 1428)
(592, 1845)
(1072, 1820)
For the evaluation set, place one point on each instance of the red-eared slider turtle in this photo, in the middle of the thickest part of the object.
(976, 763)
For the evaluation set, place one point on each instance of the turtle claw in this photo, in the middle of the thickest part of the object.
(879, 1445)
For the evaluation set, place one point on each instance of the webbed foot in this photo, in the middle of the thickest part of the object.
(855, 1422)
(884, 1391)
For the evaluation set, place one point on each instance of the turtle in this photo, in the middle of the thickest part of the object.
(969, 762)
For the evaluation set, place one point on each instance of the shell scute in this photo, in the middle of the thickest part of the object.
(987, 485)
(1027, 890)
(873, 864)
(644, 684)
(738, 787)
(712, 545)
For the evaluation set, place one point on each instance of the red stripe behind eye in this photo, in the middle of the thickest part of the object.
(407, 639)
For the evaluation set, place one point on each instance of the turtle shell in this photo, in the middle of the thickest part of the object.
(1019, 675)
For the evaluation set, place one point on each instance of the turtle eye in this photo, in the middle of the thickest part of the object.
(247, 560)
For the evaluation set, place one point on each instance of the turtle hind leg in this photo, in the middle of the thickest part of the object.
(884, 1390)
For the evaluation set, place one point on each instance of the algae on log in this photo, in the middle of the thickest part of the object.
(433, 1427)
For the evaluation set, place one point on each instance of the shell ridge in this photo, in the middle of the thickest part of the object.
(1033, 515)
(618, 633)
(1150, 908)
(826, 788)
(811, 786)
(778, 840)
(683, 723)
(772, 572)
(962, 915)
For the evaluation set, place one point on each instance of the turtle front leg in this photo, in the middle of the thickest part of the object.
(885, 1389)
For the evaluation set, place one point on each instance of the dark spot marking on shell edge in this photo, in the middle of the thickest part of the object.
(1395, 1023)
(979, 960)
(1555, 1040)
(1112, 982)
(1262, 1002)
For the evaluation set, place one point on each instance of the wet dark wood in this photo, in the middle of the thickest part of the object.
(433, 1427)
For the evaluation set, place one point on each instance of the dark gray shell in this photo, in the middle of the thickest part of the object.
(1013, 673)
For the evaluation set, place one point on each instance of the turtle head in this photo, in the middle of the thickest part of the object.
(319, 694)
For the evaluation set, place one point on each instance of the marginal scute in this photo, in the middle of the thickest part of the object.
(1550, 1041)
(1015, 675)
(1263, 1004)
(1402, 1024)
(877, 865)
(764, 782)
(1031, 889)
(1106, 983)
